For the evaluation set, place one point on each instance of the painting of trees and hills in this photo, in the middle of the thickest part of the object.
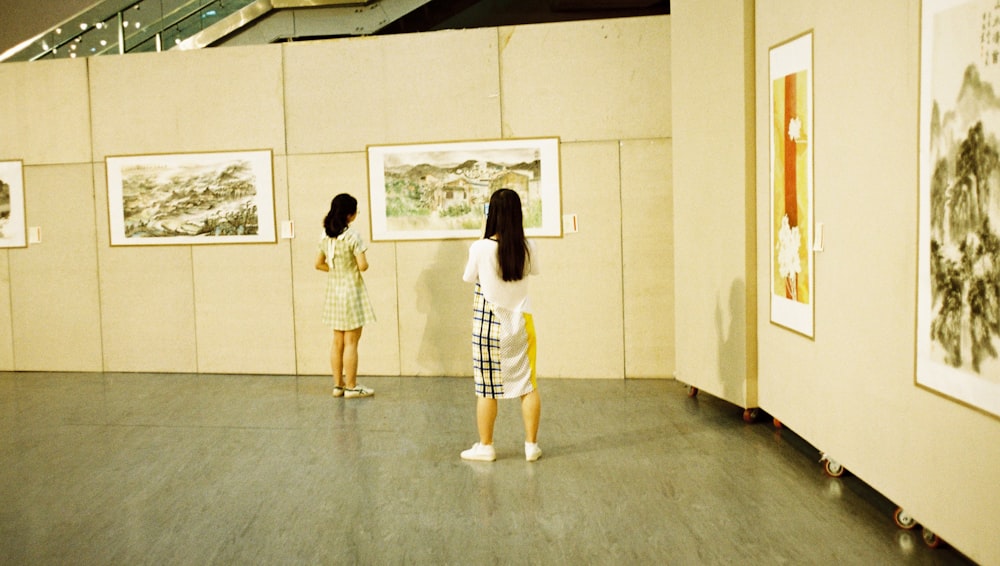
(192, 200)
(958, 276)
(964, 216)
(197, 198)
(426, 192)
(440, 190)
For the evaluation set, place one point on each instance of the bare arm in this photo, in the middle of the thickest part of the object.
(362, 261)
(321, 262)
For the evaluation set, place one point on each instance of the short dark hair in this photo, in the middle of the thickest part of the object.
(341, 208)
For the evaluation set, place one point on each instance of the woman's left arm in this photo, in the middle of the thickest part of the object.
(471, 272)
(533, 267)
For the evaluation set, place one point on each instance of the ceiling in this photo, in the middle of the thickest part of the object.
(459, 14)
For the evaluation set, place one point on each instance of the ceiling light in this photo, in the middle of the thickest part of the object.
(83, 26)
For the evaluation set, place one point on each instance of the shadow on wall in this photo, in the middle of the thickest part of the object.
(730, 331)
(444, 302)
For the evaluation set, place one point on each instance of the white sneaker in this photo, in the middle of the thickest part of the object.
(532, 452)
(358, 391)
(480, 452)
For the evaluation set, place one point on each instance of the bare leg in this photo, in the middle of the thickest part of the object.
(350, 355)
(486, 417)
(337, 358)
(531, 412)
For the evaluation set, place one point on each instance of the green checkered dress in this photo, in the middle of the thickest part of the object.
(347, 305)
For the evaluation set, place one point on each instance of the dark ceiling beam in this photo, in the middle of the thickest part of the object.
(601, 4)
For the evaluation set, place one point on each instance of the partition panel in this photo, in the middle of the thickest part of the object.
(183, 102)
(591, 80)
(344, 95)
(852, 391)
(648, 257)
(54, 285)
(578, 294)
(45, 112)
(435, 319)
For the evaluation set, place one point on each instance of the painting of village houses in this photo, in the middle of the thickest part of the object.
(205, 198)
(440, 191)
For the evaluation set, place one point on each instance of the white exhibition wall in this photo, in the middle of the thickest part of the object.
(714, 224)
(604, 299)
(850, 391)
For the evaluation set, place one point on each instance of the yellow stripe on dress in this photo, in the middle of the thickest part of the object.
(529, 328)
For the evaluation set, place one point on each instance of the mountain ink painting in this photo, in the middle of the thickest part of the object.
(958, 303)
(191, 198)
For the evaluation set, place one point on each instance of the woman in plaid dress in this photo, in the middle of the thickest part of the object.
(503, 333)
(347, 307)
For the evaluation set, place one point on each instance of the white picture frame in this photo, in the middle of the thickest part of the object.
(434, 191)
(191, 198)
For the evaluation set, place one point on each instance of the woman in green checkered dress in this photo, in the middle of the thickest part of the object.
(347, 307)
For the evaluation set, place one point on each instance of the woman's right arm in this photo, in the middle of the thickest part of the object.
(321, 262)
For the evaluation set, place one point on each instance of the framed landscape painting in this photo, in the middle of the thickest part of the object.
(791, 184)
(440, 190)
(191, 198)
(958, 255)
(13, 227)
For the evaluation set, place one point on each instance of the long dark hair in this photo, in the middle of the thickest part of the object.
(504, 223)
(341, 208)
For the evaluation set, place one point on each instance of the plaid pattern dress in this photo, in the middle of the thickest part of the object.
(346, 305)
(503, 350)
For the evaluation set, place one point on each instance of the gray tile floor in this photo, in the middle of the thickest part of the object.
(209, 469)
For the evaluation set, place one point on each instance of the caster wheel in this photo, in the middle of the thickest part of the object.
(931, 539)
(833, 469)
(692, 391)
(750, 415)
(903, 519)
